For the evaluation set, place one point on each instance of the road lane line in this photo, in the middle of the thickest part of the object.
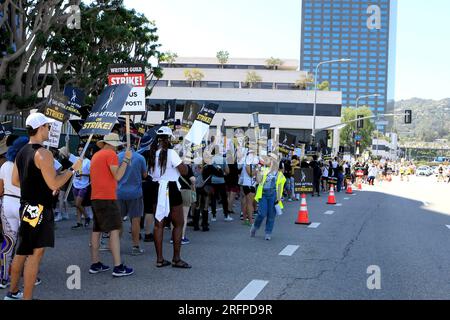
(346, 198)
(289, 250)
(314, 225)
(251, 290)
(328, 212)
(448, 226)
(338, 204)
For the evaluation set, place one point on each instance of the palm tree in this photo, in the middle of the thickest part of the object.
(252, 78)
(193, 75)
(222, 56)
(304, 81)
(274, 63)
(170, 57)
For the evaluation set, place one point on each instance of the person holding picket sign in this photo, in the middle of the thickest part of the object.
(268, 195)
(165, 167)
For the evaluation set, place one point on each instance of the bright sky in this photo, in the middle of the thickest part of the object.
(265, 28)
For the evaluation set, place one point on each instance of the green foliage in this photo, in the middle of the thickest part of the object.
(366, 133)
(169, 57)
(304, 82)
(193, 75)
(324, 86)
(252, 78)
(274, 63)
(110, 33)
(222, 56)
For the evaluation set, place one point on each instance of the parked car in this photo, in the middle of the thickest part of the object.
(424, 171)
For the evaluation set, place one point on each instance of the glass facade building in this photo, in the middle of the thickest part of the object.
(361, 30)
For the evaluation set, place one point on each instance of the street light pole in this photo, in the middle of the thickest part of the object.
(356, 115)
(313, 135)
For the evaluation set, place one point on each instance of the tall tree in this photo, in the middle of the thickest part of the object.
(222, 56)
(346, 135)
(49, 54)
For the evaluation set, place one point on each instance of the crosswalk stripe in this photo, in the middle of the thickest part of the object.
(289, 250)
(328, 212)
(314, 225)
(251, 291)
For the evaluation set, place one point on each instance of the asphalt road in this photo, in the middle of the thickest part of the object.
(399, 227)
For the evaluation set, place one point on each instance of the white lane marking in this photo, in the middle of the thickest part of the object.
(338, 204)
(328, 212)
(251, 290)
(289, 250)
(346, 198)
(314, 225)
(448, 226)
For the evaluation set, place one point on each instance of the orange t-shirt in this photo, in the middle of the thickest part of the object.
(103, 183)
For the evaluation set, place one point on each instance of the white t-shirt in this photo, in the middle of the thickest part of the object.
(6, 175)
(83, 182)
(171, 173)
(246, 180)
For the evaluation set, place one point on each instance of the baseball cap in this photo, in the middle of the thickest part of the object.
(37, 119)
(164, 131)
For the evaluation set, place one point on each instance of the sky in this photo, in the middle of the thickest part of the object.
(265, 28)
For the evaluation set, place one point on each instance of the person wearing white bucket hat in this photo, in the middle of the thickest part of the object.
(36, 177)
(105, 173)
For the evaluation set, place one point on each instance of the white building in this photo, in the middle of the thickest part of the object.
(276, 98)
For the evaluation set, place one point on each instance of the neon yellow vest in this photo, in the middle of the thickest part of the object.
(281, 180)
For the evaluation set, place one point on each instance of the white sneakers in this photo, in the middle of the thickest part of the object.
(228, 219)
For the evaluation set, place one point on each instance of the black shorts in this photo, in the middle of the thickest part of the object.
(248, 190)
(40, 236)
(175, 198)
(149, 191)
(107, 216)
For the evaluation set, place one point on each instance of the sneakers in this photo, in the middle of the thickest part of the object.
(103, 246)
(213, 219)
(122, 271)
(241, 216)
(228, 218)
(171, 241)
(87, 221)
(247, 223)
(14, 296)
(4, 284)
(38, 281)
(136, 251)
(267, 237)
(98, 267)
(125, 218)
(149, 238)
(205, 229)
(77, 226)
(58, 218)
(253, 231)
(185, 241)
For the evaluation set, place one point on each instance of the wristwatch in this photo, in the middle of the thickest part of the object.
(72, 170)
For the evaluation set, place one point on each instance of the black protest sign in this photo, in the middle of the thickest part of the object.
(191, 109)
(75, 100)
(56, 108)
(286, 142)
(6, 129)
(207, 113)
(169, 114)
(106, 110)
(332, 180)
(303, 180)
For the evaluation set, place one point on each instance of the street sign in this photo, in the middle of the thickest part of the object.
(358, 138)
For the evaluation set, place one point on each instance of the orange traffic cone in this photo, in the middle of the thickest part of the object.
(349, 188)
(302, 217)
(331, 198)
(359, 184)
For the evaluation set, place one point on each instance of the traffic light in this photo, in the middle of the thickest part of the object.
(408, 116)
(360, 123)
